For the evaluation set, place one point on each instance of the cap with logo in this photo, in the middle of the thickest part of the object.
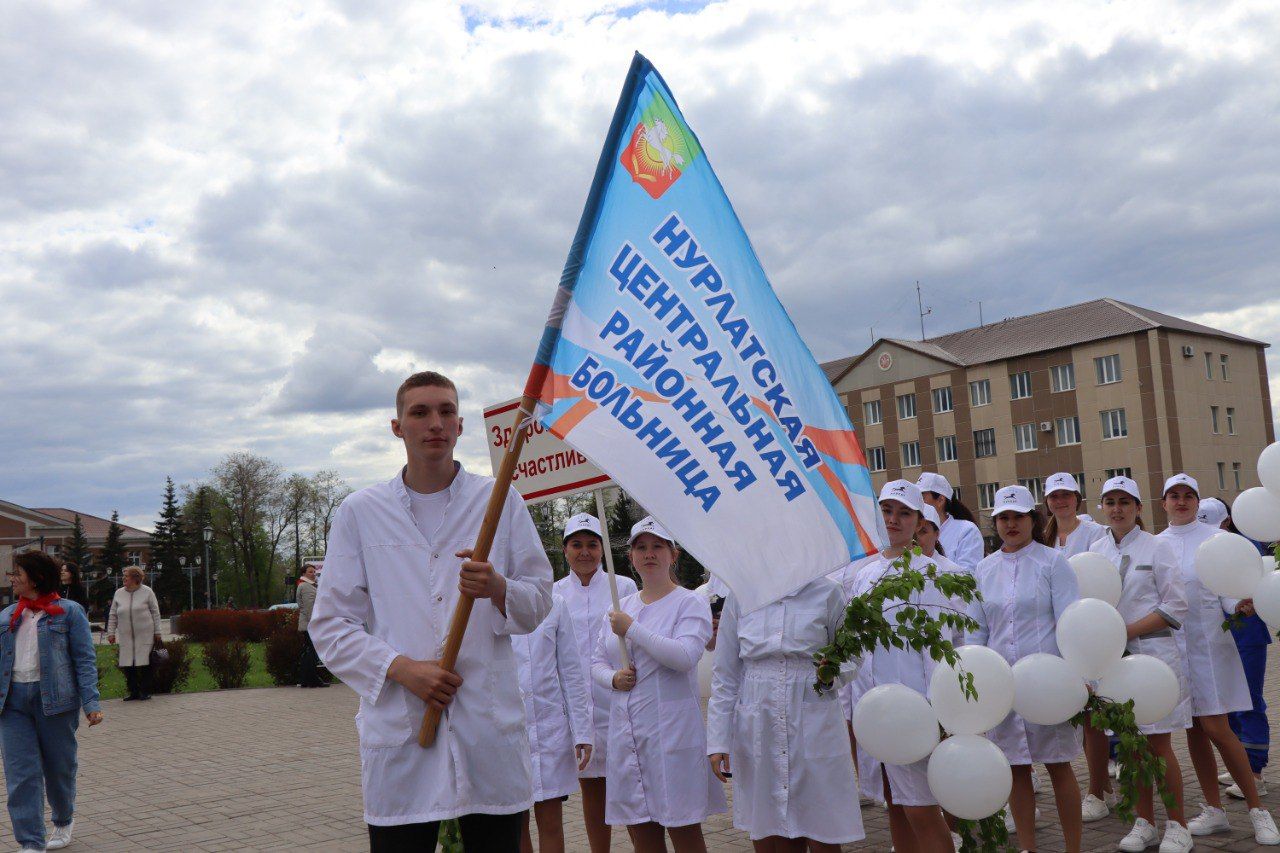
(649, 525)
(1060, 483)
(1181, 480)
(931, 515)
(1212, 512)
(1013, 499)
(904, 492)
(580, 522)
(1122, 484)
(931, 482)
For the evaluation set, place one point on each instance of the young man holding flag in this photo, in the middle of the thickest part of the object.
(399, 556)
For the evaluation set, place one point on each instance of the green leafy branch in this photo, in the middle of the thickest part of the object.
(450, 837)
(1139, 766)
(987, 834)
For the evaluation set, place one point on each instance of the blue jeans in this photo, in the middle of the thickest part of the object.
(39, 755)
(1251, 726)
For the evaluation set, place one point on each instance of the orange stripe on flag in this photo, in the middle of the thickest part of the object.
(837, 443)
(570, 419)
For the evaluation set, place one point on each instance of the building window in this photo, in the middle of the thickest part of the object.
(1068, 430)
(906, 407)
(1024, 437)
(1235, 472)
(871, 412)
(1213, 418)
(1108, 367)
(1063, 377)
(1231, 421)
(1222, 358)
(942, 400)
(133, 558)
(1114, 424)
(1208, 365)
(947, 449)
(910, 454)
(984, 443)
(1020, 385)
(1081, 483)
(1222, 476)
(980, 392)
(1034, 485)
(1119, 472)
(987, 495)
(875, 458)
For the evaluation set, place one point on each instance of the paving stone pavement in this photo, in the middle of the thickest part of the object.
(277, 769)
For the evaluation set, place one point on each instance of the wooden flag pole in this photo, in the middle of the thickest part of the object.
(608, 564)
(480, 554)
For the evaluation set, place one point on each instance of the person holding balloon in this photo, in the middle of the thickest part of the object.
(1025, 587)
(1214, 670)
(1154, 606)
(1068, 530)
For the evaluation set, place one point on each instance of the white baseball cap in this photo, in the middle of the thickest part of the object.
(1061, 483)
(1122, 484)
(649, 524)
(1212, 511)
(931, 482)
(904, 492)
(1181, 480)
(931, 515)
(1015, 498)
(578, 523)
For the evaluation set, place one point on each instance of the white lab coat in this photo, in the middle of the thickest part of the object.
(788, 748)
(962, 542)
(1023, 596)
(390, 591)
(1218, 685)
(657, 767)
(587, 606)
(1082, 538)
(557, 702)
(908, 783)
(1151, 582)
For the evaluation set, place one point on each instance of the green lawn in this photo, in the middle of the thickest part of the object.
(111, 685)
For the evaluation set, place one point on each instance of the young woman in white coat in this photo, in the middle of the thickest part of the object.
(1218, 685)
(1154, 607)
(585, 591)
(916, 823)
(1069, 530)
(960, 537)
(783, 744)
(557, 709)
(658, 776)
(1025, 587)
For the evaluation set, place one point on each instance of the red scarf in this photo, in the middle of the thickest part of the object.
(45, 602)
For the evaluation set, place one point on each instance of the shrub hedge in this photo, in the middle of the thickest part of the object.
(250, 626)
(227, 661)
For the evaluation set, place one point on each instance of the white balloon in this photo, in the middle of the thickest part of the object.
(1046, 690)
(1097, 577)
(1148, 681)
(1256, 513)
(1266, 599)
(895, 724)
(993, 681)
(1229, 565)
(1091, 636)
(970, 777)
(1269, 467)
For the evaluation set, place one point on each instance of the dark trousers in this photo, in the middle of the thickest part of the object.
(481, 833)
(1251, 726)
(138, 680)
(308, 664)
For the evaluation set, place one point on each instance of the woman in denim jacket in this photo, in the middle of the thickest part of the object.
(48, 672)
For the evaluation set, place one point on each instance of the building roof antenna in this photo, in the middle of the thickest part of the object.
(923, 311)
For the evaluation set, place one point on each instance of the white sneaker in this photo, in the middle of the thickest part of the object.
(1176, 839)
(1142, 836)
(1225, 779)
(1210, 821)
(1113, 769)
(955, 840)
(61, 836)
(1035, 781)
(1234, 789)
(1008, 819)
(1092, 809)
(1264, 827)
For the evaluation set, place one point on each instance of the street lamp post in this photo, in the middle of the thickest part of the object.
(191, 583)
(208, 537)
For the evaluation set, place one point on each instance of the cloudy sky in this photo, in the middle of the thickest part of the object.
(238, 225)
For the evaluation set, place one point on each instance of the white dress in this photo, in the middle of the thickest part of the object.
(788, 747)
(908, 783)
(587, 606)
(1023, 596)
(1082, 538)
(1218, 685)
(1151, 582)
(557, 702)
(962, 542)
(657, 767)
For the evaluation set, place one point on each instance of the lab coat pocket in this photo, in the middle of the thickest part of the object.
(804, 627)
(393, 720)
